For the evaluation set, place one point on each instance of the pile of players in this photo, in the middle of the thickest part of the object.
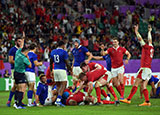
(53, 88)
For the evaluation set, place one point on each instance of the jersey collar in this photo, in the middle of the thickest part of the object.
(79, 46)
(116, 48)
(60, 48)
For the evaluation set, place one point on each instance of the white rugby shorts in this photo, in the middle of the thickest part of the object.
(30, 76)
(60, 75)
(116, 71)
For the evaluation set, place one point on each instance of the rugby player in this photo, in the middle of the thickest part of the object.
(60, 58)
(30, 72)
(116, 53)
(144, 73)
(101, 78)
(79, 54)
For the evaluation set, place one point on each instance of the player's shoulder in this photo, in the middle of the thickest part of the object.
(13, 49)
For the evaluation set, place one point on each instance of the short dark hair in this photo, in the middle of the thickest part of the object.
(115, 38)
(60, 43)
(17, 38)
(41, 76)
(32, 46)
(82, 65)
(24, 49)
(81, 75)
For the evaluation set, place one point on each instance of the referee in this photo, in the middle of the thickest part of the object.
(21, 61)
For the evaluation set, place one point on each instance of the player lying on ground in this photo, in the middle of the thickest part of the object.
(144, 73)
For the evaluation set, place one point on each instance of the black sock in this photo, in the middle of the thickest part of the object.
(15, 97)
(20, 97)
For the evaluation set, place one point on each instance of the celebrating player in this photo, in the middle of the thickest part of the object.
(30, 72)
(144, 73)
(60, 58)
(116, 53)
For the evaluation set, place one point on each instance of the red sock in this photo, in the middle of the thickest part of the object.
(98, 93)
(104, 93)
(119, 89)
(133, 91)
(146, 96)
(112, 92)
(107, 102)
(122, 88)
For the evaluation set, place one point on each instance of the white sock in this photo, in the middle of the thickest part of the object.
(29, 101)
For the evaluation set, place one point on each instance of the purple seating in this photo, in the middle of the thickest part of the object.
(124, 9)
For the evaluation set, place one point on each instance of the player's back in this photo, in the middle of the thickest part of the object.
(32, 58)
(95, 74)
(94, 65)
(59, 56)
(147, 55)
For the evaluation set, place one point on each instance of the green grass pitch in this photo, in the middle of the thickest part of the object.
(122, 109)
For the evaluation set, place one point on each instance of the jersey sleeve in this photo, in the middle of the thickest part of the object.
(51, 55)
(109, 50)
(124, 50)
(85, 50)
(26, 61)
(11, 53)
(34, 57)
(39, 89)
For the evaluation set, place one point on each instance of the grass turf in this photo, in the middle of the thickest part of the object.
(122, 109)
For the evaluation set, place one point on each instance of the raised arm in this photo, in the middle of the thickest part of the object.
(149, 34)
(139, 37)
(103, 53)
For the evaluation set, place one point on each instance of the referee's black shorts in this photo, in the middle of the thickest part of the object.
(19, 78)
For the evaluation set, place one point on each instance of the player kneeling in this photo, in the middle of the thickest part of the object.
(44, 94)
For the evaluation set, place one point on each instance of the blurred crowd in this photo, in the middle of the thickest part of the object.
(92, 21)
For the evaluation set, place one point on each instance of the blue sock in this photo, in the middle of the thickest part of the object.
(74, 89)
(59, 98)
(11, 95)
(158, 91)
(30, 94)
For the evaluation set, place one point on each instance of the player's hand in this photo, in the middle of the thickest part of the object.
(86, 61)
(24, 35)
(102, 47)
(136, 28)
(39, 105)
(149, 28)
(126, 61)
